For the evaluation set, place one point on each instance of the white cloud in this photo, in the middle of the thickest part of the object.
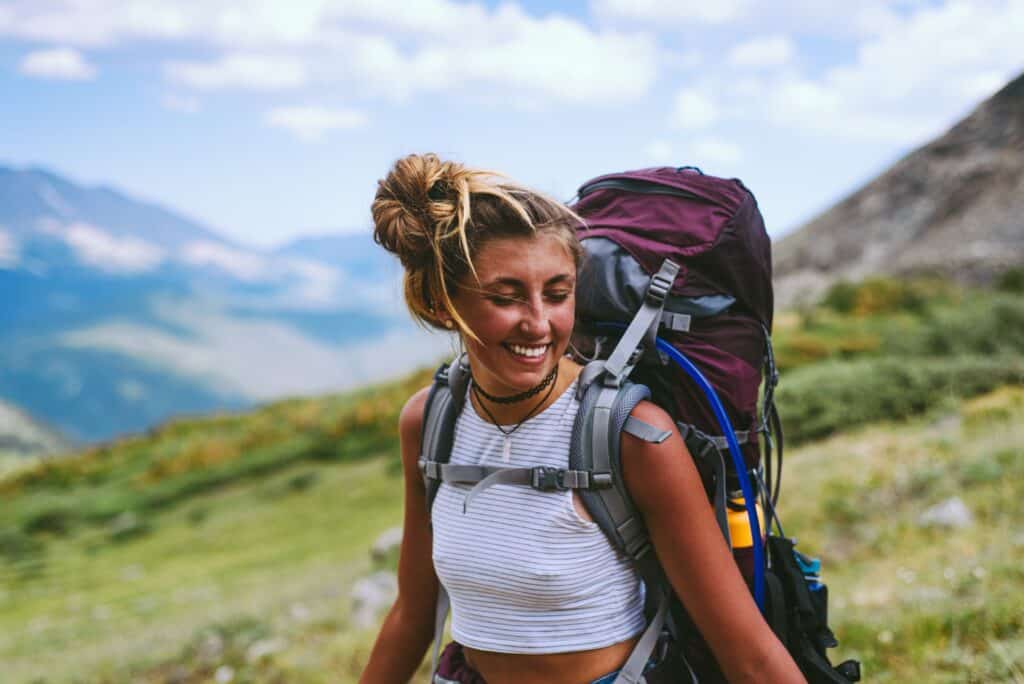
(65, 64)
(388, 47)
(709, 151)
(804, 17)
(317, 284)
(122, 254)
(892, 94)
(244, 265)
(770, 51)
(693, 109)
(8, 250)
(223, 352)
(310, 124)
(660, 12)
(246, 71)
(186, 104)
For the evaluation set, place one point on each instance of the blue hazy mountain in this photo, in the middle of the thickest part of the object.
(116, 313)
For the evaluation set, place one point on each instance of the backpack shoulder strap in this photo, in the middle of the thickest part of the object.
(445, 401)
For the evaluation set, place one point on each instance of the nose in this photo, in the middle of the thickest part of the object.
(535, 322)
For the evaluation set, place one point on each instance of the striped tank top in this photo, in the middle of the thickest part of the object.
(524, 571)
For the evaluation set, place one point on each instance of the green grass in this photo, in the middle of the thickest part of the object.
(209, 541)
(914, 603)
(256, 550)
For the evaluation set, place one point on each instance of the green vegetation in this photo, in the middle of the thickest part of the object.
(225, 547)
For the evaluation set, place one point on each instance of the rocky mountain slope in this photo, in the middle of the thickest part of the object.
(952, 208)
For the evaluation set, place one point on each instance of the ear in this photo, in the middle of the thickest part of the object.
(445, 319)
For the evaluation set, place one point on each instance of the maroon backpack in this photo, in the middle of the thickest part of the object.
(722, 298)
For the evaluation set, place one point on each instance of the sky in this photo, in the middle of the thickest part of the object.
(268, 120)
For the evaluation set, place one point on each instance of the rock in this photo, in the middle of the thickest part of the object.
(264, 648)
(371, 596)
(386, 545)
(952, 513)
(224, 674)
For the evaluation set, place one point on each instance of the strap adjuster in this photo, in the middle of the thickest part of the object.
(548, 479)
(658, 289)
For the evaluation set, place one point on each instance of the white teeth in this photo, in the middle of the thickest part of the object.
(528, 351)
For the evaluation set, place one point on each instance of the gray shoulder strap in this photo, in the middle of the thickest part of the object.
(444, 403)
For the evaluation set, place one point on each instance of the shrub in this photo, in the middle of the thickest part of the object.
(881, 295)
(57, 521)
(23, 551)
(1012, 280)
(819, 400)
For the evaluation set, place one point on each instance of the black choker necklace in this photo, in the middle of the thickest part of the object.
(532, 392)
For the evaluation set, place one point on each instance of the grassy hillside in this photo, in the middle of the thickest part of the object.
(228, 545)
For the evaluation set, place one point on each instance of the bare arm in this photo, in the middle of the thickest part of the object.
(409, 625)
(664, 483)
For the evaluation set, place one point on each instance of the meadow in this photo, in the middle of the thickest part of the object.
(223, 548)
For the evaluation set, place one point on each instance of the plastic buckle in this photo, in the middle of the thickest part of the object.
(548, 479)
(441, 374)
(600, 480)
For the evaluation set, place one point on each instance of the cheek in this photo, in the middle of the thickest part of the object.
(564, 317)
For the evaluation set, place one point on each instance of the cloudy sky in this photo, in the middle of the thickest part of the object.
(267, 119)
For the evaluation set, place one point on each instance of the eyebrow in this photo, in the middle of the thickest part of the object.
(515, 282)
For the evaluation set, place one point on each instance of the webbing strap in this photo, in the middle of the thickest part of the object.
(543, 478)
(645, 320)
(645, 431)
(742, 437)
(721, 514)
(440, 616)
(633, 671)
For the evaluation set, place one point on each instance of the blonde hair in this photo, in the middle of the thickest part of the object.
(436, 215)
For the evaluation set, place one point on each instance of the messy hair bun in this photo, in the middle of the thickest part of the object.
(434, 215)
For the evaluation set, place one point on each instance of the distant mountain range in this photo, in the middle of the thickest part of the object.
(952, 208)
(116, 314)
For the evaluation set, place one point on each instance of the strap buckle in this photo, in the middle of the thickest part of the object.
(658, 289)
(548, 479)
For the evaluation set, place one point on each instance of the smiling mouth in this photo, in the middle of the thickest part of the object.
(529, 351)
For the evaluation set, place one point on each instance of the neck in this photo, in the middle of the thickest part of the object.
(511, 414)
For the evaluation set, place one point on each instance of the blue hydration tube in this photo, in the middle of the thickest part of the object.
(737, 459)
(734, 450)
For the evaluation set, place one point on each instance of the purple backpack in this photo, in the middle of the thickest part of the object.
(718, 311)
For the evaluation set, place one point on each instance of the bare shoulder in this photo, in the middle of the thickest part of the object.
(410, 423)
(410, 420)
(652, 414)
(656, 474)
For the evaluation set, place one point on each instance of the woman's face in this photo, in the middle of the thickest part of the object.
(523, 311)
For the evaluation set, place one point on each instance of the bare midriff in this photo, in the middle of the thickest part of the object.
(577, 667)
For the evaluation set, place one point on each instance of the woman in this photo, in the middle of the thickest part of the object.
(538, 594)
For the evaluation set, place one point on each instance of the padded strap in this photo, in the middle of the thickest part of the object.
(645, 431)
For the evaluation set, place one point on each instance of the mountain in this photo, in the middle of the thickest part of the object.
(21, 435)
(116, 313)
(952, 208)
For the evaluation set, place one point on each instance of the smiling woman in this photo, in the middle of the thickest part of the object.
(537, 592)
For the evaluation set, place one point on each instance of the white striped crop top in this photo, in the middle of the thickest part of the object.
(524, 571)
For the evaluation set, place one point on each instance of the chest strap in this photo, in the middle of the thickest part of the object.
(541, 478)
